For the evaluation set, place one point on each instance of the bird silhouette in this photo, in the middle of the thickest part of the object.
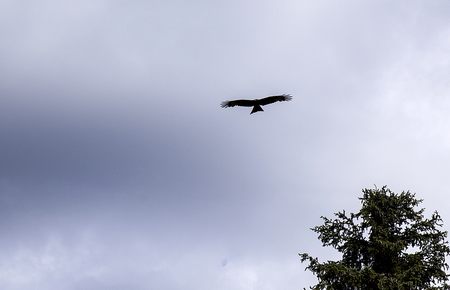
(256, 103)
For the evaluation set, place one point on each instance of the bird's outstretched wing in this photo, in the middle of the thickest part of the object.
(242, 103)
(273, 99)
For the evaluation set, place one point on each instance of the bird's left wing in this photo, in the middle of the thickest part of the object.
(243, 103)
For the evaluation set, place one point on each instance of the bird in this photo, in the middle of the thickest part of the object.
(256, 103)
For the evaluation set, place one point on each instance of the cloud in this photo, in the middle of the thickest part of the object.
(118, 168)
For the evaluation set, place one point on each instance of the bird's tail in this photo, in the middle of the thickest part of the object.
(256, 108)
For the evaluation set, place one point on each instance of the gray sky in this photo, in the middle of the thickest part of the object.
(119, 170)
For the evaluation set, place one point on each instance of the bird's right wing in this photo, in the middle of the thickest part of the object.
(242, 103)
(273, 99)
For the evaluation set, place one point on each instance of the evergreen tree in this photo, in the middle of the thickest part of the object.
(388, 244)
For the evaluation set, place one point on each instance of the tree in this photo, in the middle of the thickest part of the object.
(388, 244)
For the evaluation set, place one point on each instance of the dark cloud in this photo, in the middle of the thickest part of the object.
(118, 168)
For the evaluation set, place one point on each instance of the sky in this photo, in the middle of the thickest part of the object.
(119, 169)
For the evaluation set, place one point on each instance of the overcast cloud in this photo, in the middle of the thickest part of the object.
(119, 170)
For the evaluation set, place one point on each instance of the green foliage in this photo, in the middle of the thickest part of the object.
(387, 245)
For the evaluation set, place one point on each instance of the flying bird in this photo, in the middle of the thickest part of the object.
(256, 103)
